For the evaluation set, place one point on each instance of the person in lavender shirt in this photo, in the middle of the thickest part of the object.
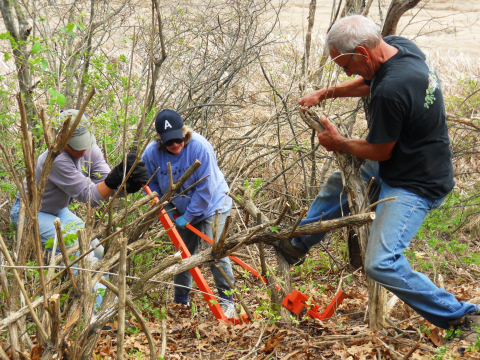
(80, 172)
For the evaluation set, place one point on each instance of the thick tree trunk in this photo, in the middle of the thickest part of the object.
(21, 52)
(354, 250)
(308, 42)
(353, 7)
(356, 193)
(395, 11)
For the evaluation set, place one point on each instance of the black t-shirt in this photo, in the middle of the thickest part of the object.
(407, 107)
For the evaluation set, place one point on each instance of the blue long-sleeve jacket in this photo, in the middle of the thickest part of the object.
(202, 200)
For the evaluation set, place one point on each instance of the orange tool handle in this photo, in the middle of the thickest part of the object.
(234, 258)
(196, 273)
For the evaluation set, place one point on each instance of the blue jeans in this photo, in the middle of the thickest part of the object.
(70, 223)
(192, 242)
(396, 223)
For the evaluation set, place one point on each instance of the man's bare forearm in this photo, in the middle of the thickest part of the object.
(352, 88)
(104, 190)
(363, 149)
(331, 140)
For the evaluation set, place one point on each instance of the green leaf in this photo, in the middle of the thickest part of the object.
(6, 56)
(49, 243)
(52, 92)
(80, 26)
(41, 19)
(57, 97)
(36, 48)
(61, 100)
(44, 64)
(70, 27)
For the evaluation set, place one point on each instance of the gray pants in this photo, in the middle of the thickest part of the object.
(192, 242)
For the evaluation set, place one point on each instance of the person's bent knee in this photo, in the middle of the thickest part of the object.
(373, 269)
(15, 212)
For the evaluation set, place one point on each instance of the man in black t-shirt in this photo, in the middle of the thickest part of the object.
(407, 152)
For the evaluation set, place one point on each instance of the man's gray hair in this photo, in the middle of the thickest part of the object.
(352, 31)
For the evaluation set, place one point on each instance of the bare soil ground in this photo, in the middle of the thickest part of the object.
(437, 24)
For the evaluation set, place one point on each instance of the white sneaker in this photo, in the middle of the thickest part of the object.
(228, 309)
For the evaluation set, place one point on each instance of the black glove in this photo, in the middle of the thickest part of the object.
(138, 177)
(115, 178)
(132, 187)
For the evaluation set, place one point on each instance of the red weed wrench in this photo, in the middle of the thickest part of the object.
(295, 302)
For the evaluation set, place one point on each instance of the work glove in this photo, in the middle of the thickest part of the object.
(115, 178)
(170, 212)
(181, 222)
(138, 177)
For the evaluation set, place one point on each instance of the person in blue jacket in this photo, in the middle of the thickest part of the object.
(178, 145)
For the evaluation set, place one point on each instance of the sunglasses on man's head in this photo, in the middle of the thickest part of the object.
(174, 141)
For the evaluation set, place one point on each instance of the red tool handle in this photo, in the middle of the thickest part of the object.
(196, 273)
(234, 258)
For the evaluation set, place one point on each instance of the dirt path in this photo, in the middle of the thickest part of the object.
(450, 25)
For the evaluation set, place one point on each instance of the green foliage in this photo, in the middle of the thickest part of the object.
(63, 298)
(56, 97)
(450, 333)
(475, 347)
(146, 259)
(101, 292)
(230, 292)
(425, 330)
(469, 99)
(440, 230)
(69, 239)
(442, 351)
(36, 48)
(32, 274)
(255, 186)
(294, 320)
(268, 311)
(144, 304)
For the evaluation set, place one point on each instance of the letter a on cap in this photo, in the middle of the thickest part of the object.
(167, 125)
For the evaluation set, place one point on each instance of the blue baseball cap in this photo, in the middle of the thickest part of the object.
(169, 125)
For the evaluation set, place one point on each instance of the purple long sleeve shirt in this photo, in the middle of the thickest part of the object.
(72, 178)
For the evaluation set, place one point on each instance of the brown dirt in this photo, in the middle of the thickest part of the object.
(450, 25)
